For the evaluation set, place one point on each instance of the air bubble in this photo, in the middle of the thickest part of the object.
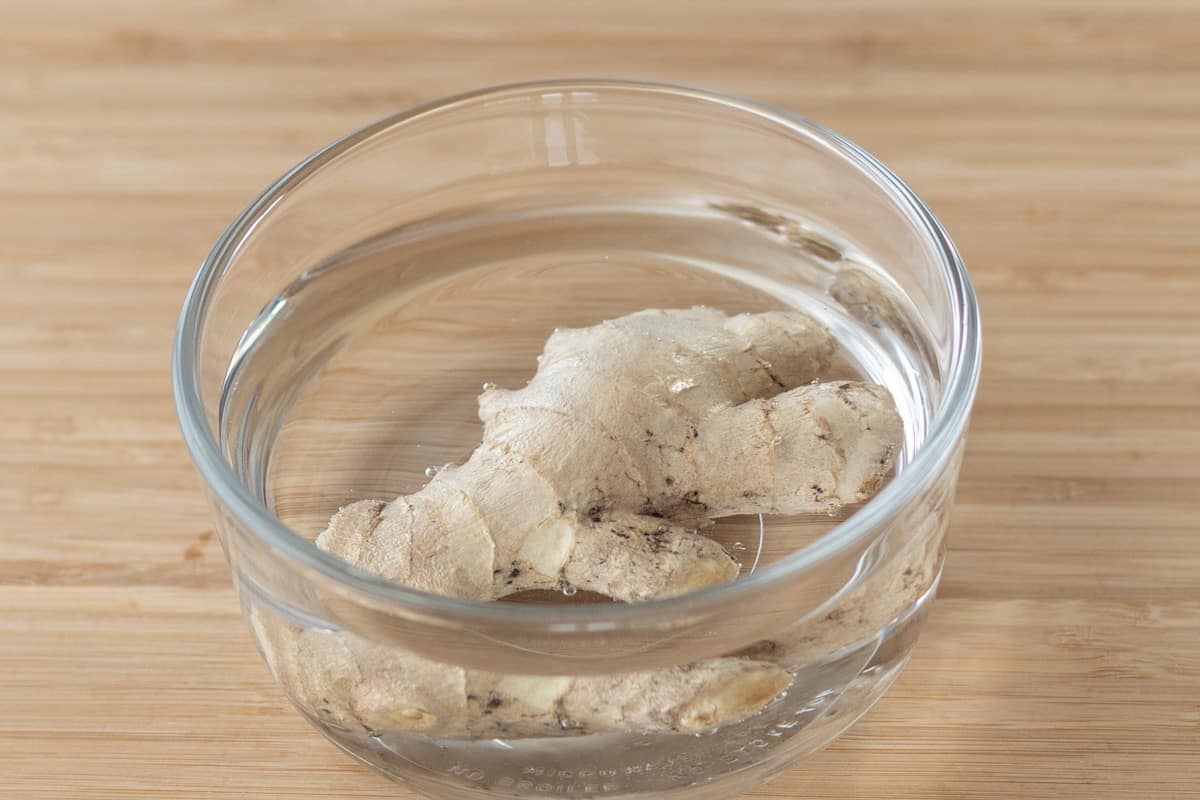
(487, 387)
(814, 381)
(431, 471)
(569, 590)
(740, 546)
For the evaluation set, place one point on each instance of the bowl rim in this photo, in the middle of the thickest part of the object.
(944, 431)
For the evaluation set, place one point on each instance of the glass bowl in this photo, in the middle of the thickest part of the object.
(333, 344)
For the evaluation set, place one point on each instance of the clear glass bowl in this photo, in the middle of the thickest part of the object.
(334, 341)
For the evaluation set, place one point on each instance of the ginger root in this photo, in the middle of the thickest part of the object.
(350, 683)
(597, 475)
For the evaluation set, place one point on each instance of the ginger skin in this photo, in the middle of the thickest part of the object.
(349, 683)
(596, 475)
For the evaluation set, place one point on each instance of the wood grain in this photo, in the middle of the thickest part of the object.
(1059, 141)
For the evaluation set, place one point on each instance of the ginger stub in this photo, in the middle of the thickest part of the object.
(598, 475)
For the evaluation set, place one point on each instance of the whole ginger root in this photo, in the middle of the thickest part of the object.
(597, 475)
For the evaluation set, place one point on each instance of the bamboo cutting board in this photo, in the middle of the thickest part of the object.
(1059, 142)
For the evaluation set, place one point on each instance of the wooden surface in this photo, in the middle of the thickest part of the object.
(1058, 141)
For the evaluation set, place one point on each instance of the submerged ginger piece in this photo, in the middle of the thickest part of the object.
(632, 434)
(350, 683)
(597, 475)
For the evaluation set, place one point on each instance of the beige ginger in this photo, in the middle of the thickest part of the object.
(596, 475)
(350, 683)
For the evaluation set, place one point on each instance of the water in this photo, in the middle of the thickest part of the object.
(365, 371)
(826, 698)
(362, 377)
